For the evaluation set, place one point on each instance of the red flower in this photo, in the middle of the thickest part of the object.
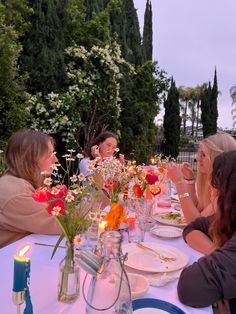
(56, 208)
(110, 184)
(58, 191)
(137, 190)
(161, 169)
(151, 178)
(42, 195)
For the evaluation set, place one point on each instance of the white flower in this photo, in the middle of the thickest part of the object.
(80, 156)
(78, 240)
(56, 211)
(47, 181)
(81, 177)
(73, 178)
(69, 197)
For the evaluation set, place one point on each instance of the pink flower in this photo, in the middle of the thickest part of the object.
(151, 178)
(56, 208)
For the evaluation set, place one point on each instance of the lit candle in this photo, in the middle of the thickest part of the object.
(101, 227)
(152, 160)
(21, 276)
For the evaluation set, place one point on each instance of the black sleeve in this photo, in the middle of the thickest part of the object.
(202, 224)
(210, 279)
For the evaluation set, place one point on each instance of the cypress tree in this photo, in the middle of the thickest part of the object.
(124, 22)
(147, 33)
(172, 122)
(43, 46)
(214, 110)
(206, 110)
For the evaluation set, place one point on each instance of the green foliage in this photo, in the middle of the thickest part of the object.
(90, 102)
(138, 132)
(124, 23)
(12, 96)
(171, 122)
(147, 33)
(87, 24)
(43, 47)
(209, 108)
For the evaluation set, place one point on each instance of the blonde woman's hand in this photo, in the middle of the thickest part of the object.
(187, 171)
(95, 151)
(174, 172)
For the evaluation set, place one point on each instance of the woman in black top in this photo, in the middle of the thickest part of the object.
(213, 278)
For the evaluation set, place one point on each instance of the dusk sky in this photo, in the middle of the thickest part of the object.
(191, 38)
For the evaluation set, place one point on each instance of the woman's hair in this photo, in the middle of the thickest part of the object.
(213, 146)
(98, 140)
(224, 180)
(24, 149)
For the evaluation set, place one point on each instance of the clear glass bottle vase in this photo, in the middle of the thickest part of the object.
(109, 290)
(69, 280)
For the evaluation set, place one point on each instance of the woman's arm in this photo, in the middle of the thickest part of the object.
(210, 279)
(197, 236)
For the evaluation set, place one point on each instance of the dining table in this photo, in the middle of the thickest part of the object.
(45, 271)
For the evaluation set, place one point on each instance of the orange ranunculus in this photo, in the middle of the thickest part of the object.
(137, 190)
(42, 195)
(151, 178)
(56, 208)
(115, 216)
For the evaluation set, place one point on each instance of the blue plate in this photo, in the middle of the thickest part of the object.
(156, 304)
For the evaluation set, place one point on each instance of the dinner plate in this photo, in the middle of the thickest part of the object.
(155, 306)
(166, 231)
(172, 218)
(148, 261)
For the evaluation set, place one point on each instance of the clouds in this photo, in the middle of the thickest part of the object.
(190, 38)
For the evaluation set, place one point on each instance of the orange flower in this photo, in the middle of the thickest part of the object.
(115, 216)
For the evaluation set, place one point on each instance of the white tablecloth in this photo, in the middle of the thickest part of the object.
(44, 278)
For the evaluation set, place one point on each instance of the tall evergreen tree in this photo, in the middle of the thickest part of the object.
(43, 46)
(147, 32)
(124, 22)
(209, 108)
(214, 109)
(172, 122)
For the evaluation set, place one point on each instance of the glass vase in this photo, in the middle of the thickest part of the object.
(69, 280)
(109, 290)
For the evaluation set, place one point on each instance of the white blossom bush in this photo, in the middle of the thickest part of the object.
(89, 102)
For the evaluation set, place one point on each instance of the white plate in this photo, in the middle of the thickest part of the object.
(142, 259)
(162, 217)
(150, 310)
(166, 231)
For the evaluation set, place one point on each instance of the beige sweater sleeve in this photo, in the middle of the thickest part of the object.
(22, 213)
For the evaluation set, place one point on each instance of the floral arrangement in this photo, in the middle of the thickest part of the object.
(73, 205)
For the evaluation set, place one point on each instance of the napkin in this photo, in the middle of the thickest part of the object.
(158, 279)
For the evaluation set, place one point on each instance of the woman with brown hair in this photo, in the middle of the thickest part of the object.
(103, 146)
(29, 157)
(195, 196)
(213, 277)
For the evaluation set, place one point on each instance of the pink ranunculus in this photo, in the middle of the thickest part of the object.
(58, 191)
(42, 195)
(151, 178)
(56, 208)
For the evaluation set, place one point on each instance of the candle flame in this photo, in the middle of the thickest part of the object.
(24, 249)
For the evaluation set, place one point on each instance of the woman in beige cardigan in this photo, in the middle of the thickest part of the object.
(29, 156)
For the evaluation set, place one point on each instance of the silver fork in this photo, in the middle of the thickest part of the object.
(163, 258)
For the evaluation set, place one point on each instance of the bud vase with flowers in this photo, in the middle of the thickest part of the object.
(70, 204)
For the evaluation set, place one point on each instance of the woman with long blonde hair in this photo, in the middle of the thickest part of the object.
(194, 195)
